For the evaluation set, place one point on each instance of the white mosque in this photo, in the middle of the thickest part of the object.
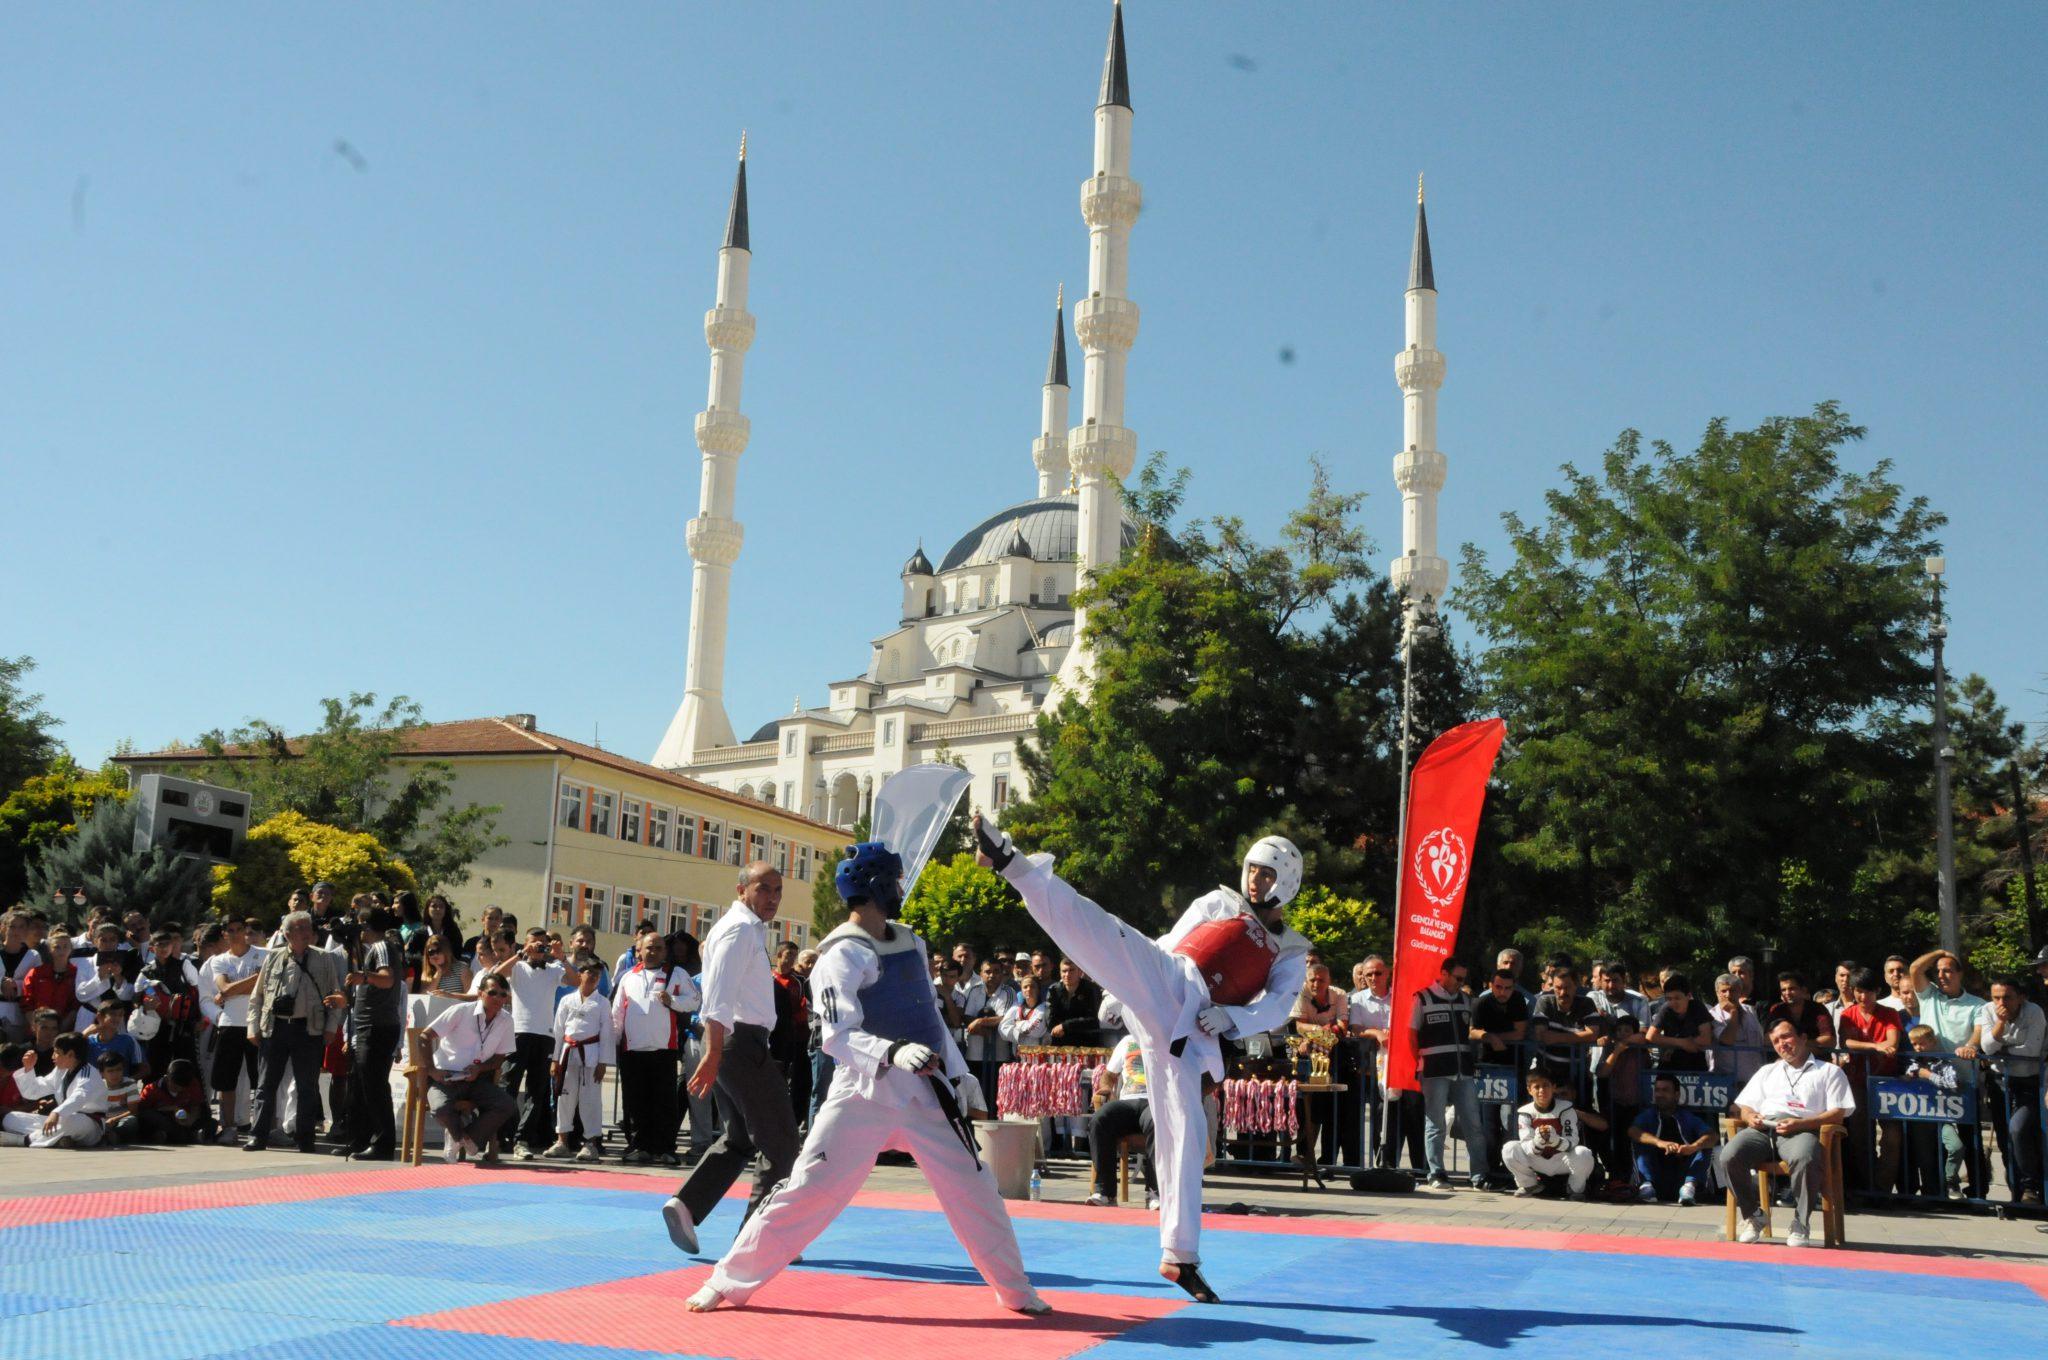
(986, 636)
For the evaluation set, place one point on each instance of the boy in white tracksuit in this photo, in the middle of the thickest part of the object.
(1229, 968)
(1547, 1140)
(893, 1088)
(585, 1045)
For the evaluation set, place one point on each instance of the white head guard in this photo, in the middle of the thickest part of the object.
(1278, 854)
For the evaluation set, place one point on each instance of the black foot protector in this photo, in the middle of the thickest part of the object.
(1188, 1276)
(998, 851)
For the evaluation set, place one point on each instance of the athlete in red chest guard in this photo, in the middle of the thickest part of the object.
(1230, 967)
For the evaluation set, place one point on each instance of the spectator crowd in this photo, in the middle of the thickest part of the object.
(1594, 1084)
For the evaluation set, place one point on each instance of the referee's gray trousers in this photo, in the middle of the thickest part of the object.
(753, 1107)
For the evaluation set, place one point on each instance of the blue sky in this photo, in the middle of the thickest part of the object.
(280, 419)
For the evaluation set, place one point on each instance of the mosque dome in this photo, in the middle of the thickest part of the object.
(1049, 527)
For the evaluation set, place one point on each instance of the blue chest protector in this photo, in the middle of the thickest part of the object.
(899, 1005)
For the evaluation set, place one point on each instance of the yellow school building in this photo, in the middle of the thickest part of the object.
(591, 835)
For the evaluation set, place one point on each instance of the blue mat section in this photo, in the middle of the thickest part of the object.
(215, 1283)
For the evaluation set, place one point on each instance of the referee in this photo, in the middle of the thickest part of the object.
(749, 1086)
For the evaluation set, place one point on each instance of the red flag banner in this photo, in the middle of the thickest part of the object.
(1445, 795)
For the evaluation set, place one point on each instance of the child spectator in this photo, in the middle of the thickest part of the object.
(1930, 1146)
(174, 1109)
(16, 958)
(1671, 1147)
(11, 1098)
(169, 988)
(585, 1045)
(53, 984)
(109, 1037)
(78, 1100)
(1619, 1073)
(1547, 1139)
(1028, 1018)
(230, 976)
(124, 1094)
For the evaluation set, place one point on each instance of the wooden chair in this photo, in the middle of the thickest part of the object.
(413, 1133)
(1129, 1146)
(1833, 1204)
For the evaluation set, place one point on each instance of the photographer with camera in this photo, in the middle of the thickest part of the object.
(297, 1000)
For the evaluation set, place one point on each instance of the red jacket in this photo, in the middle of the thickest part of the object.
(45, 988)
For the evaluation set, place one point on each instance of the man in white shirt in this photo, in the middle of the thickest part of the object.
(649, 1001)
(468, 1043)
(749, 1085)
(1779, 1116)
(534, 977)
(228, 977)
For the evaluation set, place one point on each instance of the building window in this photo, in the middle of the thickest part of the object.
(735, 847)
(803, 864)
(1047, 591)
(601, 806)
(888, 731)
(1001, 760)
(622, 921)
(631, 811)
(714, 832)
(595, 902)
(657, 827)
(655, 909)
(686, 833)
(562, 904)
(768, 794)
(757, 847)
(803, 932)
(781, 857)
(789, 795)
(789, 742)
(570, 813)
(999, 794)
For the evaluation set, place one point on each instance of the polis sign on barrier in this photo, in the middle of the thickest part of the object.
(1917, 1102)
(1696, 1090)
(1496, 1084)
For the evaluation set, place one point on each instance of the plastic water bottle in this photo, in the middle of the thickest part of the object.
(1037, 1184)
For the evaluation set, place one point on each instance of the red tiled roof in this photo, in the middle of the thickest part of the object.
(502, 737)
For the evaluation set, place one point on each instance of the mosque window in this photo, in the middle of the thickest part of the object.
(768, 794)
(789, 742)
(888, 731)
(999, 792)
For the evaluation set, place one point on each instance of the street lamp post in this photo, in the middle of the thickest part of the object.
(1944, 759)
(1417, 624)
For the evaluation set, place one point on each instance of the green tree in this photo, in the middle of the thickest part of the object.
(957, 900)
(1707, 662)
(28, 743)
(349, 774)
(46, 809)
(1236, 687)
(290, 851)
(1343, 929)
(100, 856)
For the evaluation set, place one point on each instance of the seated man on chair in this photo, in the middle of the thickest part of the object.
(1124, 1111)
(1779, 1116)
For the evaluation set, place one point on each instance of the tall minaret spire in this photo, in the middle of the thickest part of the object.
(1100, 449)
(1419, 575)
(1049, 450)
(714, 535)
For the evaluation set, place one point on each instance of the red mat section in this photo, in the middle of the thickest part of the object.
(809, 1314)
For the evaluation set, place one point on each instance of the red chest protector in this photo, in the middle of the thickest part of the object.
(1235, 955)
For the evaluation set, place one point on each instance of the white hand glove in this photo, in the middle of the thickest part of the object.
(1214, 1020)
(913, 1058)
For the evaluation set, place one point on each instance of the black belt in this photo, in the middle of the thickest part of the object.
(751, 1031)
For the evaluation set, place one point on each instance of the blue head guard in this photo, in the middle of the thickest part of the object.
(872, 872)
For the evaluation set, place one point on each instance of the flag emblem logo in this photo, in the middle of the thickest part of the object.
(1441, 866)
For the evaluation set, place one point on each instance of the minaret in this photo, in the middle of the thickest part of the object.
(1419, 575)
(1100, 450)
(1049, 450)
(714, 535)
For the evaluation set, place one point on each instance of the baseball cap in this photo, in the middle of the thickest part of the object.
(1023, 957)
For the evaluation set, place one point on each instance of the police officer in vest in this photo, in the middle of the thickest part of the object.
(893, 1089)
